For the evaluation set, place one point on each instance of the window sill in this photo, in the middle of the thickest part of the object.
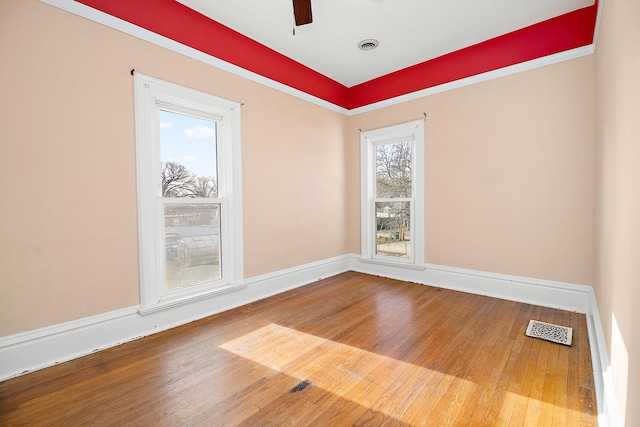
(170, 302)
(394, 263)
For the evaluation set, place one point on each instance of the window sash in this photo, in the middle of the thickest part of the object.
(411, 250)
(191, 201)
(183, 250)
(375, 200)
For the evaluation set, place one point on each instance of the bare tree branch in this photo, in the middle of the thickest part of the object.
(393, 169)
(203, 186)
(178, 181)
(394, 179)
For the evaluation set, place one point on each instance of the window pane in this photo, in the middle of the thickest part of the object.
(188, 156)
(192, 244)
(393, 169)
(393, 229)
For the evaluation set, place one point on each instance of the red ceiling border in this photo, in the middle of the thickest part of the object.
(186, 26)
(565, 32)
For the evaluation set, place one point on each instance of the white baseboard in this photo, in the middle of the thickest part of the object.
(564, 296)
(41, 348)
(33, 350)
(560, 295)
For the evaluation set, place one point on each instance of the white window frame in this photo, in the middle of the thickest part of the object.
(413, 131)
(151, 95)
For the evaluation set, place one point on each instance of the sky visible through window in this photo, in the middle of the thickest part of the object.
(189, 141)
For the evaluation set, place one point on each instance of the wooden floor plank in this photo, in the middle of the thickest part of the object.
(491, 397)
(369, 350)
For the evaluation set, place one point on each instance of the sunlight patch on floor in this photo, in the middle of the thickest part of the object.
(534, 409)
(358, 375)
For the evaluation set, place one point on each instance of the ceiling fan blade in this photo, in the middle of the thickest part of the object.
(302, 12)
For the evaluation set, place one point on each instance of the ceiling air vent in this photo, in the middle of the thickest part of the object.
(368, 44)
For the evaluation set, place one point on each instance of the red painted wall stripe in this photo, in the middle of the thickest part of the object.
(184, 25)
(565, 32)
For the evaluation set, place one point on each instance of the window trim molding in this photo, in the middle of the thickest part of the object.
(368, 141)
(151, 93)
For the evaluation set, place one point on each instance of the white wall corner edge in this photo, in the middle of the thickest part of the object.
(603, 375)
(41, 348)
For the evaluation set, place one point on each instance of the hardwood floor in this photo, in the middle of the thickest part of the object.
(362, 350)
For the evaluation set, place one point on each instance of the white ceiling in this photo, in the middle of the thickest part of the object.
(409, 31)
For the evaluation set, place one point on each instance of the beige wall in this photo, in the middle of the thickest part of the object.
(617, 279)
(68, 220)
(509, 169)
(510, 184)
(509, 172)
